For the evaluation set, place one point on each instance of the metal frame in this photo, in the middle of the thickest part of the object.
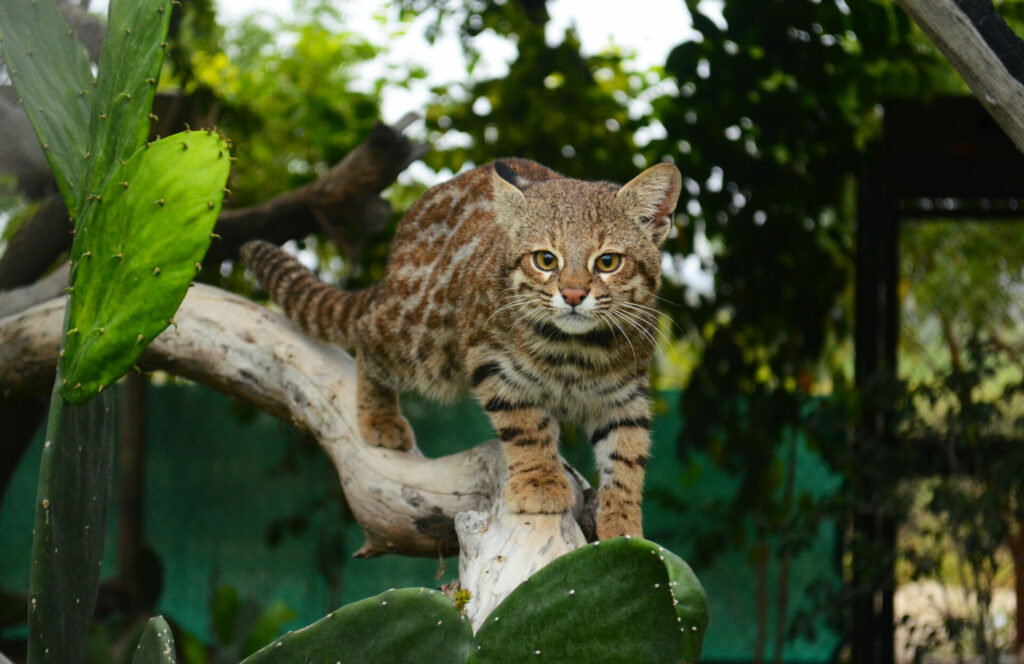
(948, 159)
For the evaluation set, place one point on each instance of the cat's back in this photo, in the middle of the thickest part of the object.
(441, 266)
(462, 203)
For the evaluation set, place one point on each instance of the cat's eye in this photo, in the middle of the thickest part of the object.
(545, 260)
(608, 262)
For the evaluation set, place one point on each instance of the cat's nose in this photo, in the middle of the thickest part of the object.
(574, 296)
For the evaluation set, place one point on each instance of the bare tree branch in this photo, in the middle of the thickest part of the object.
(405, 503)
(36, 245)
(347, 196)
(986, 52)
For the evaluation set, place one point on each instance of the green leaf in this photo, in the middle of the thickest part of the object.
(612, 601)
(410, 625)
(226, 607)
(71, 508)
(133, 259)
(126, 82)
(50, 71)
(267, 626)
(156, 645)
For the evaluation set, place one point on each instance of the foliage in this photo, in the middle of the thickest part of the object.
(566, 110)
(288, 89)
(771, 146)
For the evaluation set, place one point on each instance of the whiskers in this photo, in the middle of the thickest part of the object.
(636, 318)
(523, 314)
(513, 301)
(607, 317)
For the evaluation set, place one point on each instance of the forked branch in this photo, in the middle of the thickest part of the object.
(405, 503)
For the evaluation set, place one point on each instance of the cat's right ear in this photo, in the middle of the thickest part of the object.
(509, 201)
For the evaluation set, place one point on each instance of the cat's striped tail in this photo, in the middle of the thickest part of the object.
(322, 311)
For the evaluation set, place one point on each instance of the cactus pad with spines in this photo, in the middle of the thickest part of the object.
(618, 600)
(156, 645)
(50, 70)
(410, 625)
(137, 254)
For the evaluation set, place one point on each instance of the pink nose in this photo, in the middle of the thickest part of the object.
(574, 296)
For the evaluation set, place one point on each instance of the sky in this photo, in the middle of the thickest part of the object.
(651, 28)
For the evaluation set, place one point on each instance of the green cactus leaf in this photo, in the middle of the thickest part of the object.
(126, 81)
(50, 71)
(133, 259)
(156, 645)
(410, 625)
(226, 607)
(691, 603)
(71, 508)
(608, 602)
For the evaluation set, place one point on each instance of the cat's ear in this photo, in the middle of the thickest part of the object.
(650, 198)
(509, 201)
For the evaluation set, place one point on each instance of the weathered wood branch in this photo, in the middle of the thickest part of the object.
(984, 50)
(404, 502)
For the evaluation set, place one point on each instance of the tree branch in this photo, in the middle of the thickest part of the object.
(404, 502)
(989, 56)
(347, 196)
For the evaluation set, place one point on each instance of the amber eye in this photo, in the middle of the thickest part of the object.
(545, 260)
(608, 262)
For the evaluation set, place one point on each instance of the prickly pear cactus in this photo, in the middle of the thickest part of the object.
(411, 625)
(620, 600)
(70, 515)
(133, 259)
(126, 81)
(50, 70)
(142, 222)
(156, 645)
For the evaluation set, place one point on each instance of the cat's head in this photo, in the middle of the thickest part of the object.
(585, 255)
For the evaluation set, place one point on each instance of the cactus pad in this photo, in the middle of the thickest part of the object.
(410, 625)
(133, 260)
(156, 645)
(619, 600)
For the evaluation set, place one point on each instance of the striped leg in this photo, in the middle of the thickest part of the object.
(536, 480)
(380, 420)
(621, 441)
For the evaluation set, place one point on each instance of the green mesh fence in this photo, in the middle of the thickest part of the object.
(235, 497)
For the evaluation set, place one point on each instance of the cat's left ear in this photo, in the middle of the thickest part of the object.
(509, 201)
(650, 198)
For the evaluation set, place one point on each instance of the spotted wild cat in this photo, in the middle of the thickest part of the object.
(532, 290)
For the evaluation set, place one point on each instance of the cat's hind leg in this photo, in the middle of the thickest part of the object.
(380, 419)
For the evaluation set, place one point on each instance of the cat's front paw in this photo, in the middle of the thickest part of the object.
(392, 432)
(530, 494)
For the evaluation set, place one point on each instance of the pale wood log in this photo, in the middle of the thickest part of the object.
(49, 287)
(405, 503)
(983, 49)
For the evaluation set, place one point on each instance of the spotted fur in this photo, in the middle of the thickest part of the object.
(465, 306)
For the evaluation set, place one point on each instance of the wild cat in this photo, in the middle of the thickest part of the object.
(534, 291)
